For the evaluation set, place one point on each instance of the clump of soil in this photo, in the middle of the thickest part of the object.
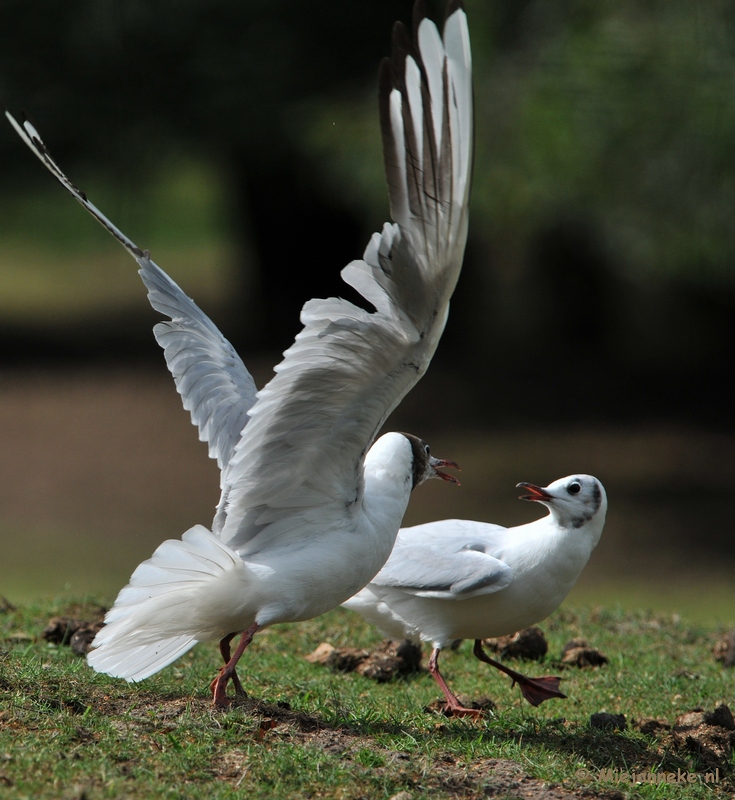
(652, 726)
(609, 722)
(439, 706)
(724, 650)
(78, 634)
(578, 653)
(529, 644)
(391, 658)
(340, 659)
(708, 735)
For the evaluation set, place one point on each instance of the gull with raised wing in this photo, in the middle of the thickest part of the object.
(461, 579)
(310, 506)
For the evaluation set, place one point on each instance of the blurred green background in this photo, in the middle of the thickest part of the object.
(592, 329)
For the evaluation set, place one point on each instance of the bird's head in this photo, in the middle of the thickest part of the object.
(574, 501)
(425, 466)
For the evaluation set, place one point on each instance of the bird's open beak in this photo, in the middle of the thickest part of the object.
(536, 492)
(442, 462)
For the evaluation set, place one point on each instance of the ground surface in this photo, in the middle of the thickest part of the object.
(306, 731)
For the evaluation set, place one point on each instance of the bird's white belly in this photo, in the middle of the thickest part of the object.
(523, 603)
(301, 584)
(502, 613)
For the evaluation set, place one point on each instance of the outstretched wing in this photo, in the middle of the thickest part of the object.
(214, 384)
(348, 368)
(310, 428)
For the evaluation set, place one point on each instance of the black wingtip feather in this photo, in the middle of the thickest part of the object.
(452, 6)
(420, 13)
(402, 45)
(386, 83)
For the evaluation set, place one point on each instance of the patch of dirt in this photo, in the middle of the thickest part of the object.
(652, 726)
(340, 659)
(707, 735)
(391, 658)
(495, 778)
(439, 706)
(578, 653)
(606, 721)
(529, 644)
(78, 634)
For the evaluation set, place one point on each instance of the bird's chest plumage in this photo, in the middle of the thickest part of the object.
(329, 567)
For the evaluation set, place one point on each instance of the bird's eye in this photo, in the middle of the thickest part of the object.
(574, 488)
(427, 449)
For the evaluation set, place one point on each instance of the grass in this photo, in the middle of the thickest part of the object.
(66, 732)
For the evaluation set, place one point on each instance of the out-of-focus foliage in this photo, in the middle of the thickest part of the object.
(603, 223)
(620, 115)
(111, 78)
(603, 228)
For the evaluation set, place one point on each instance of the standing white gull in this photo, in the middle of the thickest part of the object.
(309, 510)
(460, 579)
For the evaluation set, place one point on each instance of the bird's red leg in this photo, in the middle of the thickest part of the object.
(224, 648)
(535, 690)
(454, 707)
(219, 684)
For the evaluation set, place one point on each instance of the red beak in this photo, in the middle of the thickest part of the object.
(538, 493)
(443, 462)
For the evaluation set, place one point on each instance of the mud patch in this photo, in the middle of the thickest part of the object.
(78, 634)
(578, 653)
(390, 659)
(529, 644)
(708, 736)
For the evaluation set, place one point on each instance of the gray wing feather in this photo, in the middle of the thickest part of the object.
(448, 558)
(435, 570)
(214, 384)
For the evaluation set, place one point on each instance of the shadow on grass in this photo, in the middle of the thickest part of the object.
(598, 749)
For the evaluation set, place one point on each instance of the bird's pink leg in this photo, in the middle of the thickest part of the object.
(454, 707)
(219, 684)
(224, 648)
(535, 690)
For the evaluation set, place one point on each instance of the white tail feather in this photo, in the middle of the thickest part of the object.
(173, 600)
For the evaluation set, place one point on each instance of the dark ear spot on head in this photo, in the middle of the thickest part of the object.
(596, 495)
(595, 504)
(421, 457)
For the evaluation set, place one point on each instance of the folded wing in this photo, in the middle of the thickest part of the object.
(448, 559)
